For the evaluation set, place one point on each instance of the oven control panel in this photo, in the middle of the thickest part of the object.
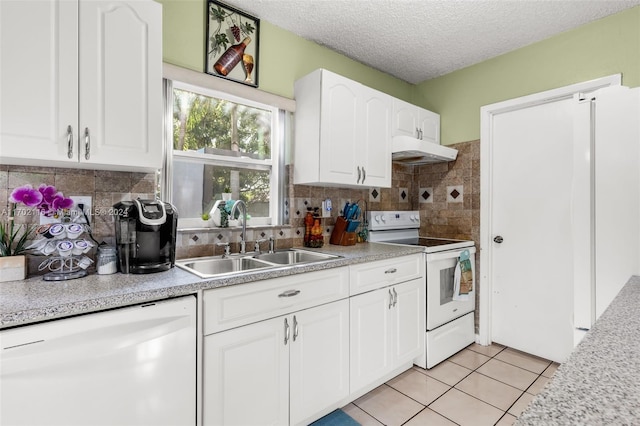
(391, 219)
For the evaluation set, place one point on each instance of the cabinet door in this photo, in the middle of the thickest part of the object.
(246, 375)
(319, 375)
(375, 157)
(370, 325)
(409, 320)
(121, 83)
(405, 119)
(429, 122)
(339, 129)
(38, 80)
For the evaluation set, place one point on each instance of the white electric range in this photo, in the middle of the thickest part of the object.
(450, 318)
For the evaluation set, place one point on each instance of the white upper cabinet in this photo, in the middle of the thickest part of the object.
(343, 132)
(81, 84)
(411, 120)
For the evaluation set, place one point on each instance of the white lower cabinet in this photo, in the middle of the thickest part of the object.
(290, 369)
(289, 350)
(246, 376)
(387, 333)
(319, 361)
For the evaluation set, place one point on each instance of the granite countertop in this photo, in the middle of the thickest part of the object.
(33, 300)
(600, 382)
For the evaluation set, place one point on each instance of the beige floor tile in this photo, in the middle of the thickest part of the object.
(360, 416)
(465, 410)
(521, 404)
(388, 406)
(447, 372)
(507, 420)
(507, 373)
(429, 417)
(550, 371)
(420, 387)
(489, 390)
(523, 360)
(490, 351)
(469, 359)
(538, 385)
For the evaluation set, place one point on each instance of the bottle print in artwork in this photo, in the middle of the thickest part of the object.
(231, 57)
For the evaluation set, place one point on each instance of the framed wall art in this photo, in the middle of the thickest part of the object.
(232, 44)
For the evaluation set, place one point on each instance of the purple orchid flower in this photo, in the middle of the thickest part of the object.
(60, 202)
(48, 192)
(27, 195)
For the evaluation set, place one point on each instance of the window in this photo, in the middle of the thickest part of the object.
(221, 141)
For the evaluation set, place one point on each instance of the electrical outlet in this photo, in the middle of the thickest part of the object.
(75, 213)
(86, 208)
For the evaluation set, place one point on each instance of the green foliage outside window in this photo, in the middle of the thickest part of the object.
(217, 126)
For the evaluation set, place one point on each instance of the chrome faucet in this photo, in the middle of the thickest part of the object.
(243, 217)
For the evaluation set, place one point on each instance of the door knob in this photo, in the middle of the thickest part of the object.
(498, 239)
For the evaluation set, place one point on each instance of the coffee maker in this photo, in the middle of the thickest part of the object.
(145, 236)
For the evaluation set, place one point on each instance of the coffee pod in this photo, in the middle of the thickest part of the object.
(43, 231)
(49, 248)
(81, 246)
(57, 231)
(65, 248)
(74, 230)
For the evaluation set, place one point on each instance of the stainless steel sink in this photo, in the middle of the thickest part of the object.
(293, 256)
(215, 267)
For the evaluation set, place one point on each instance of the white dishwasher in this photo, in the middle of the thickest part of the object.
(128, 366)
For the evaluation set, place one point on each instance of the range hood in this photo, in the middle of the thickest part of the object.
(408, 150)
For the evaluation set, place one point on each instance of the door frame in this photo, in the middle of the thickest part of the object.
(487, 113)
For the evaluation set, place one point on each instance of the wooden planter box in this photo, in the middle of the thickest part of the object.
(13, 268)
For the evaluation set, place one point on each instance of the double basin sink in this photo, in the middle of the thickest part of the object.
(216, 266)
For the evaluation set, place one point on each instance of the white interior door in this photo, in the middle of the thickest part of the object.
(532, 268)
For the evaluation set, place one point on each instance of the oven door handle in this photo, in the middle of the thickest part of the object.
(452, 254)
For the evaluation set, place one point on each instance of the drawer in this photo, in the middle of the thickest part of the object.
(381, 273)
(237, 305)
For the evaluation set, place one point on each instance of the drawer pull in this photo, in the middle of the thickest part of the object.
(391, 271)
(289, 293)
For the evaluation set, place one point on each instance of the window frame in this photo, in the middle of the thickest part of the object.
(274, 165)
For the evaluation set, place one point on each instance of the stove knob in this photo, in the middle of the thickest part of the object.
(414, 217)
(384, 219)
(377, 218)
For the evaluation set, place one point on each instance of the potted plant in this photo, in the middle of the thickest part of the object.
(13, 238)
(226, 193)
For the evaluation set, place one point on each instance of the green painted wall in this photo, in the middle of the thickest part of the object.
(284, 57)
(604, 47)
(608, 46)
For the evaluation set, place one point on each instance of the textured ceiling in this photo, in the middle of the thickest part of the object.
(416, 40)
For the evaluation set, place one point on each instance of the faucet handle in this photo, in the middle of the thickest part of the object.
(256, 245)
(272, 244)
(227, 249)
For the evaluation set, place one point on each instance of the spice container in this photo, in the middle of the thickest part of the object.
(106, 260)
